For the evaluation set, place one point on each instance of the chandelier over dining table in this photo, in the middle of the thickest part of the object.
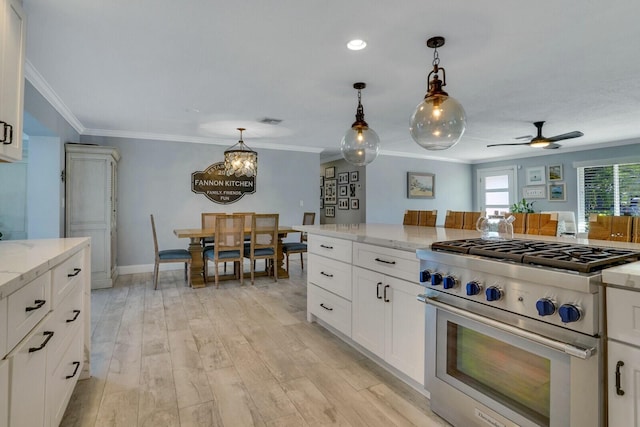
(240, 160)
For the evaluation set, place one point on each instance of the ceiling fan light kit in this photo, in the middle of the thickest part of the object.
(540, 141)
(439, 121)
(360, 144)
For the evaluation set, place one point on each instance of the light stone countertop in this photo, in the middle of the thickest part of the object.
(21, 261)
(411, 237)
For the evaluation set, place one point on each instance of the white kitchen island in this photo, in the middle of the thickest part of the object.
(45, 291)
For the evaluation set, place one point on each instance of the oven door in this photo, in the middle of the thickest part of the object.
(480, 372)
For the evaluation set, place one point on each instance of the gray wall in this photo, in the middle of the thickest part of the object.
(387, 188)
(154, 177)
(570, 174)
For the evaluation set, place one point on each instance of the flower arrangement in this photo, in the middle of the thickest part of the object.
(522, 207)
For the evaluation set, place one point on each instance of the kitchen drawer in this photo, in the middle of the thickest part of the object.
(62, 379)
(65, 276)
(26, 307)
(623, 315)
(330, 308)
(392, 262)
(4, 393)
(65, 321)
(332, 275)
(330, 247)
(3, 328)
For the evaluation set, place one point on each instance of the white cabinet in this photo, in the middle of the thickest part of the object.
(623, 346)
(45, 321)
(388, 320)
(91, 206)
(13, 29)
(329, 282)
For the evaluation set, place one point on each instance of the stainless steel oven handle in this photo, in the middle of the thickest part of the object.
(570, 349)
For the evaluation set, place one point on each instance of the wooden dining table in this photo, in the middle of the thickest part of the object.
(195, 248)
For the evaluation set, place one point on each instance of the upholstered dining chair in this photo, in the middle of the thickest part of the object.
(229, 246)
(169, 256)
(308, 218)
(264, 243)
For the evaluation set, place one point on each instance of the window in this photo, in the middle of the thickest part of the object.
(612, 189)
(496, 189)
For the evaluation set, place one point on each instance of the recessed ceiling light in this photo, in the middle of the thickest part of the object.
(356, 44)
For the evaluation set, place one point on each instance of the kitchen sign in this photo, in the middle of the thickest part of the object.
(214, 183)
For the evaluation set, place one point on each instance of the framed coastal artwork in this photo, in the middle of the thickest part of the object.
(557, 192)
(535, 175)
(421, 185)
(555, 173)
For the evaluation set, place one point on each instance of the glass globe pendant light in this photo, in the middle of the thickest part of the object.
(439, 121)
(360, 145)
(240, 161)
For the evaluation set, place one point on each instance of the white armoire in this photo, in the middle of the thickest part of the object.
(91, 206)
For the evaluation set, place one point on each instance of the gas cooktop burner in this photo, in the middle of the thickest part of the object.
(568, 256)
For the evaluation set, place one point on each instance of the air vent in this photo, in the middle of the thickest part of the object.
(270, 121)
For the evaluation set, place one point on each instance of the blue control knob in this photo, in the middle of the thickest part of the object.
(473, 288)
(545, 307)
(449, 282)
(569, 313)
(493, 293)
(436, 279)
(425, 276)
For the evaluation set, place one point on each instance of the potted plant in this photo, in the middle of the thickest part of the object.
(522, 207)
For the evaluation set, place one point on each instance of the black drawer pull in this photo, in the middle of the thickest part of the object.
(326, 274)
(378, 290)
(6, 127)
(77, 313)
(38, 304)
(385, 261)
(325, 307)
(48, 334)
(326, 247)
(4, 132)
(76, 271)
(385, 294)
(75, 371)
(619, 390)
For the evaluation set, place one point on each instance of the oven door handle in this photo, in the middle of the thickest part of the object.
(570, 349)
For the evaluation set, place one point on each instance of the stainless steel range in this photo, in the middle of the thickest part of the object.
(514, 331)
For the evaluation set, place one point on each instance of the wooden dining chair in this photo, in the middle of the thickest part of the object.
(599, 227)
(635, 230)
(453, 219)
(208, 220)
(612, 228)
(469, 220)
(410, 218)
(289, 248)
(264, 243)
(169, 256)
(427, 218)
(229, 246)
(520, 222)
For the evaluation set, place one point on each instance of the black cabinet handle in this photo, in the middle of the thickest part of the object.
(4, 132)
(325, 307)
(49, 335)
(326, 274)
(385, 261)
(378, 290)
(326, 247)
(385, 294)
(7, 125)
(77, 313)
(76, 271)
(619, 390)
(75, 371)
(38, 304)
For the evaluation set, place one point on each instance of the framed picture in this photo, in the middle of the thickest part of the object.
(321, 203)
(421, 185)
(557, 192)
(343, 178)
(342, 191)
(555, 173)
(343, 203)
(330, 211)
(535, 175)
(322, 181)
(352, 190)
(354, 176)
(355, 203)
(534, 192)
(330, 195)
(330, 172)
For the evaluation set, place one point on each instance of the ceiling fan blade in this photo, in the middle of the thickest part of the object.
(574, 134)
(524, 137)
(552, 146)
(508, 143)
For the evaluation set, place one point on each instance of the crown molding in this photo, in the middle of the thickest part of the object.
(42, 86)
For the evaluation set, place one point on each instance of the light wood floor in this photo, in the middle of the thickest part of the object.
(233, 356)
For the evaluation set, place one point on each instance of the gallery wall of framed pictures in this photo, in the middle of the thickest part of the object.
(340, 192)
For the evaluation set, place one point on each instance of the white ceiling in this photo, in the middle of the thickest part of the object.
(195, 70)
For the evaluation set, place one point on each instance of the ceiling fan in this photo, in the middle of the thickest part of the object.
(540, 141)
